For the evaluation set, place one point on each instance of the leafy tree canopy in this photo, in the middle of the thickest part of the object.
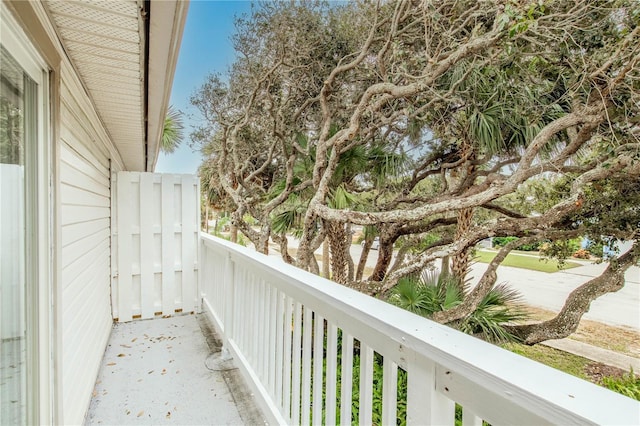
(452, 120)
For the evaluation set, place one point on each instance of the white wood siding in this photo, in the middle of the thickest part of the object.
(85, 207)
(155, 242)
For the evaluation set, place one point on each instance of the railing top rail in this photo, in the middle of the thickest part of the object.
(557, 396)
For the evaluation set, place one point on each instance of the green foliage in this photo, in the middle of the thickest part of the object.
(503, 241)
(627, 385)
(433, 292)
(378, 372)
(172, 131)
(560, 250)
(596, 248)
(494, 310)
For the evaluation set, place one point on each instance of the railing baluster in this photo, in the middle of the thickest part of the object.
(243, 307)
(278, 348)
(389, 391)
(263, 330)
(240, 303)
(469, 418)
(318, 357)
(227, 299)
(332, 368)
(254, 318)
(296, 373)
(366, 384)
(306, 365)
(346, 379)
(271, 347)
(288, 336)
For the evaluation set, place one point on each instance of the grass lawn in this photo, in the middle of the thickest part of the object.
(525, 261)
(563, 361)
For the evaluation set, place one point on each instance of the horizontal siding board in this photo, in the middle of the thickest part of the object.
(82, 250)
(87, 286)
(74, 268)
(71, 176)
(78, 214)
(78, 132)
(82, 197)
(95, 170)
(76, 231)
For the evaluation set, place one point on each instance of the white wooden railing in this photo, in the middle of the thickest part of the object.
(284, 326)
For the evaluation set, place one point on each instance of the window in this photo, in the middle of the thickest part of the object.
(24, 219)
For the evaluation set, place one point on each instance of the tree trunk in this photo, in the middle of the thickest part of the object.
(347, 252)
(337, 235)
(388, 236)
(460, 261)
(486, 283)
(325, 259)
(368, 242)
(283, 242)
(234, 233)
(445, 268)
(578, 302)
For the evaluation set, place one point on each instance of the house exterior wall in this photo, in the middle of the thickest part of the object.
(85, 260)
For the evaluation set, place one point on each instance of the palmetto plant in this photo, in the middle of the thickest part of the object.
(433, 292)
(172, 131)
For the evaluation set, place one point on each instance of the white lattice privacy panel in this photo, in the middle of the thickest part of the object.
(154, 245)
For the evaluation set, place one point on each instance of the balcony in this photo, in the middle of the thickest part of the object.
(312, 352)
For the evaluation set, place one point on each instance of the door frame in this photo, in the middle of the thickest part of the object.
(39, 222)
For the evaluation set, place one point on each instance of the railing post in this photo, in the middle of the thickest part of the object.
(425, 405)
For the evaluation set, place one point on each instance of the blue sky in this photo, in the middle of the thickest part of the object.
(206, 48)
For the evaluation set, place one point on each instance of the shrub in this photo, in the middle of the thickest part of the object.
(596, 249)
(503, 241)
(627, 385)
(582, 254)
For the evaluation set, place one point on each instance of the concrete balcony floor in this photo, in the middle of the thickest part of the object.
(156, 372)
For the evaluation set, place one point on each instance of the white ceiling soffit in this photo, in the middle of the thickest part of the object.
(105, 40)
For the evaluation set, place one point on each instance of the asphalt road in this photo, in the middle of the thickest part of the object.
(550, 290)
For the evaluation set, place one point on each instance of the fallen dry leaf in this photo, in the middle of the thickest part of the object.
(134, 339)
(168, 414)
(140, 413)
(126, 346)
(150, 371)
(111, 363)
(128, 412)
(121, 355)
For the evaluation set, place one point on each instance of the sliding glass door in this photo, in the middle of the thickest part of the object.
(23, 183)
